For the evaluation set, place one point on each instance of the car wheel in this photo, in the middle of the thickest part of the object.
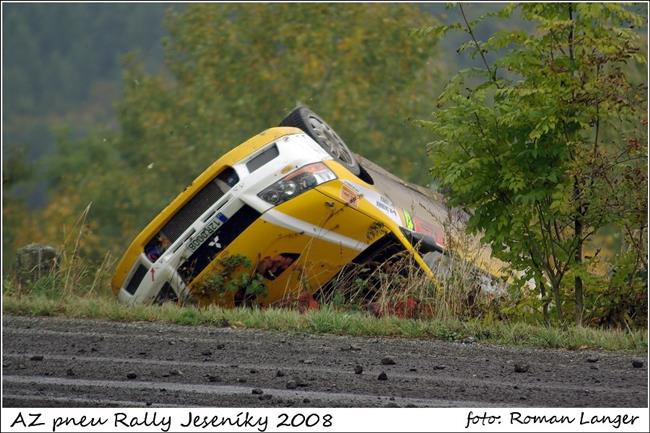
(314, 126)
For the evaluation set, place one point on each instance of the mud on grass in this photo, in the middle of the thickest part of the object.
(330, 320)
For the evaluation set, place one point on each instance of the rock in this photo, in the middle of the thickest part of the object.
(171, 342)
(241, 380)
(391, 404)
(206, 353)
(306, 400)
(411, 405)
(22, 366)
(521, 368)
(382, 376)
(36, 358)
(350, 348)
(439, 367)
(131, 375)
(279, 373)
(252, 371)
(637, 363)
(592, 359)
(257, 391)
(70, 372)
(292, 385)
(175, 372)
(413, 369)
(387, 360)
(593, 367)
(212, 378)
(265, 397)
(35, 261)
(307, 361)
(221, 346)
(300, 382)
(358, 369)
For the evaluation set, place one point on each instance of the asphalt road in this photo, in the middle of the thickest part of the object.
(49, 362)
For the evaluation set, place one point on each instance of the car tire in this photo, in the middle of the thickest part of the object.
(323, 134)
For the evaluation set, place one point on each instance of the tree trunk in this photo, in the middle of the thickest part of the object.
(542, 291)
(578, 279)
(578, 254)
(555, 286)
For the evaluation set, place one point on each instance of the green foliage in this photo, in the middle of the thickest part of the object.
(546, 145)
(234, 275)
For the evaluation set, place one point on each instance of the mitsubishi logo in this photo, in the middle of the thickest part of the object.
(215, 242)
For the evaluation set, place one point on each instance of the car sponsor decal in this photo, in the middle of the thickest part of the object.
(378, 200)
(426, 228)
(206, 232)
(408, 220)
(349, 196)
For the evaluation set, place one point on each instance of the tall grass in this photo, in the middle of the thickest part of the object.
(70, 274)
(398, 285)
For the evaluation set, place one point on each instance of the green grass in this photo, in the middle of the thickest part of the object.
(329, 320)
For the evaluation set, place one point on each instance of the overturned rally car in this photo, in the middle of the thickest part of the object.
(286, 211)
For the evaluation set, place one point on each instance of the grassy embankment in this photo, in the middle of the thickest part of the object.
(329, 320)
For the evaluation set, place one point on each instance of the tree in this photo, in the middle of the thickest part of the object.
(546, 146)
(234, 70)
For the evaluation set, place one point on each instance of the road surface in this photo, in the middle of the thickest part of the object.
(49, 362)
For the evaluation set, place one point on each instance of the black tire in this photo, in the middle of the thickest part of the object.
(323, 134)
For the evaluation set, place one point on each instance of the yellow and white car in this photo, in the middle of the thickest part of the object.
(293, 200)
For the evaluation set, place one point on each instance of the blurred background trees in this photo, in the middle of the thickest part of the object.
(226, 72)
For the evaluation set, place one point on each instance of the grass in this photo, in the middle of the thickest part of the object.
(329, 320)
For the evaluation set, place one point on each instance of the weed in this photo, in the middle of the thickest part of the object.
(234, 275)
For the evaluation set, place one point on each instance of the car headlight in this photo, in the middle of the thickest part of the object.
(294, 184)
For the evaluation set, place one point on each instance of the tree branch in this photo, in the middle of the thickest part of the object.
(493, 76)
